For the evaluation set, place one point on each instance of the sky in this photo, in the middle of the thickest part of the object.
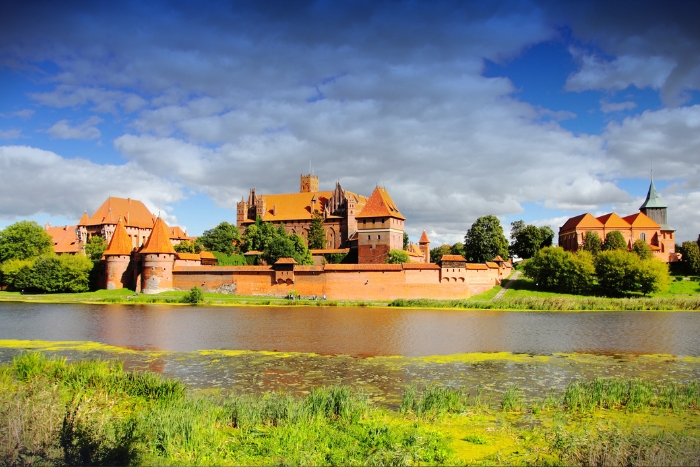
(532, 110)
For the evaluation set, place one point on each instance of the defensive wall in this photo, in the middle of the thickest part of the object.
(345, 281)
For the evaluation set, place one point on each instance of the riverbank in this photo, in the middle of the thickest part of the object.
(522, 295)
(55, 412)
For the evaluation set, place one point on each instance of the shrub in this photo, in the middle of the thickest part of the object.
(592, 242)
(194, 297)
(397, 257)
(642, 249)
(222, 259)
(619, 272)
(614, 241)
(690, 257)
(556, 269)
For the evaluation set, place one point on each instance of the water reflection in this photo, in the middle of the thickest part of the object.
(359, 332)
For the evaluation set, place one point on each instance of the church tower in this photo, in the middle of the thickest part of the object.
(654, 208)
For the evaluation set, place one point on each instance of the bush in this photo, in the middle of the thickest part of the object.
(690, 258)
(222, 259)
(614, 241)
(194, 297)
(642, 249)
(397, 257)
(49, 274)
(621, 272)
(555, 269)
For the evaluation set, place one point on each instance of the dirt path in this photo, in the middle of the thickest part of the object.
(512, 279)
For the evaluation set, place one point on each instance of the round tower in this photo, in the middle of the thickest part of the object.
(117, 259)
(158, 259)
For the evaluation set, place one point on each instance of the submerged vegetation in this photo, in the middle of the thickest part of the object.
(88, 413)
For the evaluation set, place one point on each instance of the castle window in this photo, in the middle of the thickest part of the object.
(643, 236)
(379, 237)
(369, 237)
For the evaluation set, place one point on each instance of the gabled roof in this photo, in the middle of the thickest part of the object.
(207, 255)
(294, 206)
(498, 258)
(133, 212)
(424, 238)
(286, 261)
(176, 232)
(380, 204)
(581, 221)
(491, 265)
(83, 219)
(612, 221)
(653, 199)
(641, 220)
(414, 250)
(64, 239)
(120, 243)
(453, 258)
(159, 241)
(189, 256)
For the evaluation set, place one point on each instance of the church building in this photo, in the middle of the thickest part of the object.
(649, 224)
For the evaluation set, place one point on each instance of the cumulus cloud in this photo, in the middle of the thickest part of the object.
(13, 133)
(609, 107)
(86, 130)
(24, 114)
(102, 100)
(33, 181)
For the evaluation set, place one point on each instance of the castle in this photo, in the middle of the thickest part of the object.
(650, 224)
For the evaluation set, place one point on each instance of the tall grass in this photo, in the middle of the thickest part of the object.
(560, 304)
(435, 401)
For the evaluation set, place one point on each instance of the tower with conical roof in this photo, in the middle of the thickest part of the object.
(424, 244)
(655, 208)
(158, 260)
(117, 259)
(380, 228)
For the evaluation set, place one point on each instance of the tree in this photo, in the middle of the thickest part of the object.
(485, 240)
(258, 236)
(690, 257)
(406, 241)
(555, 269)
(283, 245)
(317, 236)
(592, 242)
(397, 257)
(437, 253)
(186, 246)
(528, 241)
(49, 273)
(458, 249)
(24, 240)
(16, 273)
(616, 271)
(652, 276)
(642, 249)
(547, 236)
(224, 237)
(94, 247)
(614, 241)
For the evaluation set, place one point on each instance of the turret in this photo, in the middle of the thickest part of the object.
(424, 244)
(158, 260)
(117, 259)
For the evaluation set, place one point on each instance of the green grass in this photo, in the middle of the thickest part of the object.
(94, 413)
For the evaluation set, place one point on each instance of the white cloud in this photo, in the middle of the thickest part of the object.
(103, 100)
(86, 131)
(34, 181)
(24, 114)
(13, 133)
(608, 107)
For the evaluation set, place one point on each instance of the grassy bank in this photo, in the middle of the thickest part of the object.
(53, 412)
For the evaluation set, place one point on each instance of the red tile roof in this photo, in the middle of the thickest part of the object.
(189, 256)
(424, 238)
(581, 221)
(207, 255)
(492, 265)
(120, 243)
(286, 261)
(453, 258)
(613, 221)
(326, 251)
(380, 204)
(420, 266)
(158, 241)
(641, 220)
(362, 267)
(133, 212)
(65, 240)
(475, 266)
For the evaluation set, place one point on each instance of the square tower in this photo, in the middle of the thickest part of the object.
(308, 184)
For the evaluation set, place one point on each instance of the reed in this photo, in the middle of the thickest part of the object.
(436, 401)
(513, 400)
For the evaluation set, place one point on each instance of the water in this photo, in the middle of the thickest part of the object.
(315, 346)
(357, 332)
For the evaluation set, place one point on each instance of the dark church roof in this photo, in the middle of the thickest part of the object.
(653, 199)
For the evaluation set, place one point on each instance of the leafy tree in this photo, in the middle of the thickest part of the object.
(614, 241)
(406, 241)
(642, 249)
(224, 237)
(690, 257)
(485, 240)
(24, 240)
(194, 297)
(437, 252)
(528, 241)
(186, 246)
(579, 273)
(95, 246)
(75, 273)
(317, 236)
(515, 228)
(458, 249)
(258, 236)
(652, 276)
(222, 259)
(397, 257)
(592, 242)
(283, 245)
(555, 269)
(616, 270)
(547, 236)
(17, 273)
(50, 273)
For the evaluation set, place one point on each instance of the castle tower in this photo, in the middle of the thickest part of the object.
(158, 260)
(241, 212)
(379, 228)
(117, 259)
(424, 244)
(308, 183)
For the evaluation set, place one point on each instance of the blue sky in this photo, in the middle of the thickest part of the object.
(533, 110)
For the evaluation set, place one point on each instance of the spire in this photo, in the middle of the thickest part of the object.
(653, 199)
(159, 241)
(83, 219)
(120, 243)
(424, 238)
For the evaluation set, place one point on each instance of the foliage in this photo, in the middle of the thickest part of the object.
(24, 240)
(437, 253)
(50, 274)
(555, 269)
(406, 241)
(592, 242)
(485, 240)
(690, 257)
(317, 236)
(258, 236)
(334, 258)
(458, 249)
(526, 240)
(614, 241)
(397, 257)
(642, 249)
(284, 245)
(620, 272)
(222, 259)
(95, 246)
(194, 297)
(547, 236)
(186, 246)
(224, 237)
